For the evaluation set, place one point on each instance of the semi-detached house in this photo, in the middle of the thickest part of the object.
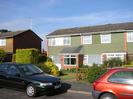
(70, 48)
(23, 39)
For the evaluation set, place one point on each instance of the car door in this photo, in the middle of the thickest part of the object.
(3, 69)
(14, 77)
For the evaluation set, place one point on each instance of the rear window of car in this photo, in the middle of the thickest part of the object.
(122, 77)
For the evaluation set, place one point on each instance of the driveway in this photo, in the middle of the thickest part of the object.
(68, 91)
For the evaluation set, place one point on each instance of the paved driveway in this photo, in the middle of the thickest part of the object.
(67, 92)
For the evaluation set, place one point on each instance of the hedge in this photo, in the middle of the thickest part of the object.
(2, 55)
(27, 56)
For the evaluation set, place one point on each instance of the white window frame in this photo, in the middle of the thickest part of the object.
(51, 42)
(70, 57)
(87, 39)
(2, 42)
(59, 41)
(130, 37)
(115, 55)
(104, 38)
(85, 60)
(68, 39)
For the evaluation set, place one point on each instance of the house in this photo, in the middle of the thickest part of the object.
(72, 47)
(10, 41)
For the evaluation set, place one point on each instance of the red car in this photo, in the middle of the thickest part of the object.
(116, 83)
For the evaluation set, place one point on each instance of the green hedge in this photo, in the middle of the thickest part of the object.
(95, 72)
(2, 55)
(91, 73)
(27, 56)
(113, 62)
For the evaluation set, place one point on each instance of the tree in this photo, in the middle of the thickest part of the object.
(3, 30)
(2, 55)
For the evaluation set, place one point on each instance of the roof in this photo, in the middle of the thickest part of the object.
(92, 29)
(14, 33)
(75, 49)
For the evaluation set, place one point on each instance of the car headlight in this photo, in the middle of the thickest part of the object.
(45, 84)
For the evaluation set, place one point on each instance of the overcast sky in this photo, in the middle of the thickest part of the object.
(49, 15)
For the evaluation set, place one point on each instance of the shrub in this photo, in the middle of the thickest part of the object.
(2, 55)
(50, 68)
(114, 62)
(82, 73)
(27, 56)
(70, 70)
(42, 58)
(94, 73)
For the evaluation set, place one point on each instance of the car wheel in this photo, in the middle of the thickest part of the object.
(108, 96)
(31, 90)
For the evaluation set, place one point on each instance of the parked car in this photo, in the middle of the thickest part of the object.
(116, 83)
(27, 77)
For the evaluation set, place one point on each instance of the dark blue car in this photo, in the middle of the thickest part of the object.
(27, 77)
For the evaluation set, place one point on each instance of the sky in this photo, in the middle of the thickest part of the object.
(46, 16)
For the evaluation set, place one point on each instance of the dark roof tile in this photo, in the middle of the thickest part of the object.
(74, 49)
(92, 29)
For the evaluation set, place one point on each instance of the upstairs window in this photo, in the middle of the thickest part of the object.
(66, 41)
(59, 41)
(130, 37)
(87, 39)
(51, 42)
(2, 42)
(105, 38)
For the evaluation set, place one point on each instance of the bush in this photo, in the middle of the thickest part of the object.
(42, 58)
(82, 73)
(27, 56)
(71, 70)
(2, 55)
(50, 68)
(95, 72)
(114, 62)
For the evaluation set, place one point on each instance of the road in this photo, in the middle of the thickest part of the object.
(67, 92)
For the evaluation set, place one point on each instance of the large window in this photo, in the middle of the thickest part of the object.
(87, 39)
(115, 55)
(70, 60)
(130, 37)
(51, 42)
(59, 41)
(105, 38)
(66, 41)
(94, 59)
(2, 42)
(123, 77)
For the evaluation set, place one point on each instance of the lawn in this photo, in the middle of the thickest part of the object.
(71, 77)
(68, 76)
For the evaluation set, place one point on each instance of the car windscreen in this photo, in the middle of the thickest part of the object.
(29, 69)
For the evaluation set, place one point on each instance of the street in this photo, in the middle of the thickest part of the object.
(66, 92)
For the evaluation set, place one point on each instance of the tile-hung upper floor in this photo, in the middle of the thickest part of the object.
(87, 39)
